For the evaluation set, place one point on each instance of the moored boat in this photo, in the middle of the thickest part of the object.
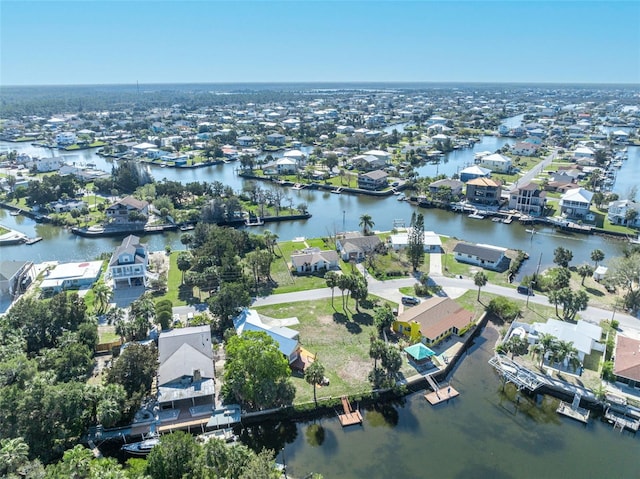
(144, 447)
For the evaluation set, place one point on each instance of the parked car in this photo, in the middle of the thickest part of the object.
(410, 300)
(522, 289)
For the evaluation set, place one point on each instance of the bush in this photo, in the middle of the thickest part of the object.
(607, 371)
(503, 308)
(163, 318)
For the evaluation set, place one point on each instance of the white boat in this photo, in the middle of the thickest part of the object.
(337, 191)
(476, 216)
(297, 186)
(225, 435)
(144, 447)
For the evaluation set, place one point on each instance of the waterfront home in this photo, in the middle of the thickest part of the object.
(473, 172)
(311, 260)
(496, 163)
(584, 336)
(185, 371)
(128, 210)
(12, 273)
(276, 139)
(170, 141)
(62, 206)
(451, 187)
(621, 213)
(287, 338)
(65, 138)
(71, 276)
(281, 166)
(583, 152)
(431, 241)
(373, 180)
(43, 165)
(295, 155)
(575, 203)
(486, 256)
(143, 148)
(129, 263)
(357, 247)
(524, 148)
(626, 363)
(175, 158)
(432, 320)
(484, 191)
(529, 199)
(367, 162)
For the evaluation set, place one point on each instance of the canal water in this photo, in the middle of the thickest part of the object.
(330, 213)
(480, 434)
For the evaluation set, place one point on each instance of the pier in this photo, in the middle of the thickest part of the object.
(349, 417)
(573, 410)
(438, 395)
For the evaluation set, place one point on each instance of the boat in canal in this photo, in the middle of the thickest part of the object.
(144, 447)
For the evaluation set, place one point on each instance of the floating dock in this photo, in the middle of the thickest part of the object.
(573, 410)
(350, 417)
(439, 395)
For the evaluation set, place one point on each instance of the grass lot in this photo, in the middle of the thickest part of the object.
(107, 336)
(178, 294)
(341, 342)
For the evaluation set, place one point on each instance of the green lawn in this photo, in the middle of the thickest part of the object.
(340, 340)
(179, 295)
(107, 336)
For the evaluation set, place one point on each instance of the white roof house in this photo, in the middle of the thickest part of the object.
(496, 162)
(584, 336)
(287, 338)
(431, 240)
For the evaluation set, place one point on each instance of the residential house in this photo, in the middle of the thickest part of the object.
(66, 138)
(583, 152)
(473, 172)
(484, 191)
(486, 256)
(186, 377)
(373, 180)
(120, 212)
(619, 213)
(311, 260)
(431, 241)
(367, 162)
(245, 140)
(71, 276)
(496, 163)
(584, 336)
(281, 166)
(626, 363)
(524, 148)
(276, 139)
(143, 148)
(295, 155)
(357, 247)
(43, 165)
(287, 338)
(452, 187)
(61, 206)
(12, 273)
(129, 263)
(433, 320)
(576, 202)
(381, 155)
(529, 199)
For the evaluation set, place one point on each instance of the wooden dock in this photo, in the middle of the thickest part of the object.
(579, 414)
(439, 395)
(622, 421)
(350, 417)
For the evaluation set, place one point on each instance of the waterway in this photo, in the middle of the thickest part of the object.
(480, 434)
(331, 213)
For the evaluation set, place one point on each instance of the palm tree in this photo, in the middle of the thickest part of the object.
(366, 223)
(377, 349)
(480, 280)
(585, 270)
(184, 263)
(331, 277)
(554, 297)
(103, 295)
(270, 241)
(597, 255)
(13, 454)
(546, 343)
(314, 375)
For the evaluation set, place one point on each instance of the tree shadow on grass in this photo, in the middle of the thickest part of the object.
(185, 293)
(364, 319)
(593, 291)
(353, 328)
(340, 318)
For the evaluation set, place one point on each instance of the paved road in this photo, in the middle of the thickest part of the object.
(454, 287)
(535, 171)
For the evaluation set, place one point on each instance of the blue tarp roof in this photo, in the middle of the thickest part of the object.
(419, 351)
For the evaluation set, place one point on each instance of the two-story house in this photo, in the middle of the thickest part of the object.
(373, 180)
(129, 263)
(496, 163)
(621, 213)
(529, 199)
(576, 202)
(484, 191)
(126, 209)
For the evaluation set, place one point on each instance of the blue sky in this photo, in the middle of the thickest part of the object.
(98, 42)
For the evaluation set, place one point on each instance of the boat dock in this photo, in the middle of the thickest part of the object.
(621, 420)
(349, 417)
(573, 410)
(439, 395)
(33, 240)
